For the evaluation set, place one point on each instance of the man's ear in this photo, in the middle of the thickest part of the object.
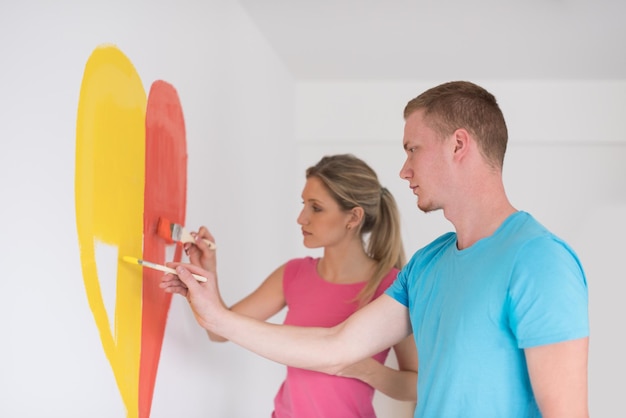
(461, 143)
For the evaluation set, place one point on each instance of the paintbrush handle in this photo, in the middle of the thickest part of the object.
(211, 244)
(185, 236)
(169, 270)
(159, 267)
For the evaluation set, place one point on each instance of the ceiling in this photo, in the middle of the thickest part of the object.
(445, 39)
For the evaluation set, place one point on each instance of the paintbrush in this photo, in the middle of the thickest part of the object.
(172, 232)
(154, 266)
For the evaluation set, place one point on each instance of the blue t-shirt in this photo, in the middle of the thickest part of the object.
(474, 311)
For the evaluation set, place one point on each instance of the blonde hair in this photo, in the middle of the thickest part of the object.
(351, 182)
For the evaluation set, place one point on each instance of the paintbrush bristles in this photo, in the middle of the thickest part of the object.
(172, 232)
(177, 232)
(164, 230)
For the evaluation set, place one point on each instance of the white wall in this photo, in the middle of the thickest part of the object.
(564, 164)
(238, 103)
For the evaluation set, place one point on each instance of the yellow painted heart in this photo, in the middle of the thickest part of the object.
(131, 165)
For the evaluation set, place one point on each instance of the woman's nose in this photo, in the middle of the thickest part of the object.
(301, 218)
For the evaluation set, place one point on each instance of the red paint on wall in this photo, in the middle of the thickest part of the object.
(165, 196)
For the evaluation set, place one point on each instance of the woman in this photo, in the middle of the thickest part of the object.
(356, 222)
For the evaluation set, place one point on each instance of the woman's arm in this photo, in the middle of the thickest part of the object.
(398, 384)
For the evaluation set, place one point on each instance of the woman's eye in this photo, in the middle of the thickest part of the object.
(317, 209)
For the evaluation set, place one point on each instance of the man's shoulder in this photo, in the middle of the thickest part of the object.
(434, 247)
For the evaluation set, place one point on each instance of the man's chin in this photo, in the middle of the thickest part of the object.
(425, 207)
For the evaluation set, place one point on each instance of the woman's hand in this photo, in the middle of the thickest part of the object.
(360, 370)
(199, 253)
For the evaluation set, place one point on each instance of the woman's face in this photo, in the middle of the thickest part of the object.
(322, 220)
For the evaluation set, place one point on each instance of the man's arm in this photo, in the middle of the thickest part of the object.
(380, 324)
(558, 374)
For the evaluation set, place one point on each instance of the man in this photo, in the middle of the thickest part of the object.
(498, 308)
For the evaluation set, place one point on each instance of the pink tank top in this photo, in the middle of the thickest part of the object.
(312, 301)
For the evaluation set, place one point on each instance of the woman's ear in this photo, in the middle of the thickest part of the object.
(356, 217)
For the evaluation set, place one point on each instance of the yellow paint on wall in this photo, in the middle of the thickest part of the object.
(109, 194)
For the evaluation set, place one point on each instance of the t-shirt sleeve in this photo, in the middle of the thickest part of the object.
(548, 294)
(398, 289)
